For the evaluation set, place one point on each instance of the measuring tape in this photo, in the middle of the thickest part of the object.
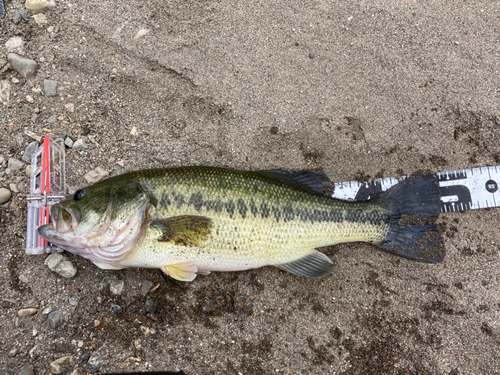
(463, 189)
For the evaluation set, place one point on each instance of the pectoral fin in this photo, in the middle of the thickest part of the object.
(185, 271)
(186, 230)
(312, 265)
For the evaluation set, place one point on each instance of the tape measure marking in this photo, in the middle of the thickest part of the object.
(463, 189)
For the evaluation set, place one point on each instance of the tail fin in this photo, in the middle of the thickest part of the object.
(413, 206)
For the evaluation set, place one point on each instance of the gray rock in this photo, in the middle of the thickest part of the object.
(116, 287)
(95, 359)
(146, 286)
(116, 308)
(66, 269)
(79, 145)
(52, 119)
(17, 17)
(13, 188)
(61, 265)
(55, 318)
(15, 164)
(53, 260)
(61, 365)
(25, 67)
(27, 369)
(93, 176)
(38, 6)
(29, 151)
(5, 195)
(4, 92)
(50, 87)
(73, 301)
(28, 171)
(68, 142)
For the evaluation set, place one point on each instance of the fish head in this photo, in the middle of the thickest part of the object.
(101, 222)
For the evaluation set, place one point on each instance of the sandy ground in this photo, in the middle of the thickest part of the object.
(357, 89)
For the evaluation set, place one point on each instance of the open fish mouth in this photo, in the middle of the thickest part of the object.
(64, 219)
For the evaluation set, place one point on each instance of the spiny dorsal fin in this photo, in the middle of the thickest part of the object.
(312, 265)
(310, 181)
(185, 230)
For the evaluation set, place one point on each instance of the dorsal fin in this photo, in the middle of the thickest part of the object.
(310, 181)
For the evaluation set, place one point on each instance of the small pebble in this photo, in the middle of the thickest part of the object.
(30, 99)
(13, 188)
(4, 92)
(95, 359)
(95, 175)
(149, 305)
(61, 365)
(68, 142)
(26, 312)
(26, 67)
(15, 164)
(50, 87)
(16, 18)
(116, 308)
(55, 319)
(70, 107)
(38, 6)
(73, 301)
(146, 286)
(141, 33)
(15, 43)
(29, 151)
(116, 286)
(14, 80)
(27, 369)
(5, 195)
(52, 119)
(61, 265)
(79, 145)
(47, 310)
(28, 171)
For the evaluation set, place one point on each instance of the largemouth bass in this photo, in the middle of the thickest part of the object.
(194, 220)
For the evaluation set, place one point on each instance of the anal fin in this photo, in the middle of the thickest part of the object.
(312, 265)
(185, 271)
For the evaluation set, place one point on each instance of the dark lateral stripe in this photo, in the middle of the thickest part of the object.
(354, 213)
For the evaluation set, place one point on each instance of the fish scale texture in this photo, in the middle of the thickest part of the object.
(255, 220)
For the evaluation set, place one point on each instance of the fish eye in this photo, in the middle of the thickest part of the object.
(79, 194)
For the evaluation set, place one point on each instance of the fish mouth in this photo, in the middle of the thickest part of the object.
(64, 221)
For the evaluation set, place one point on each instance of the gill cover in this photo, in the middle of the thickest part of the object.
(102, 222)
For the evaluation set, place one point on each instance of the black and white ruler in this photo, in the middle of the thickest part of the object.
(463, 189)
